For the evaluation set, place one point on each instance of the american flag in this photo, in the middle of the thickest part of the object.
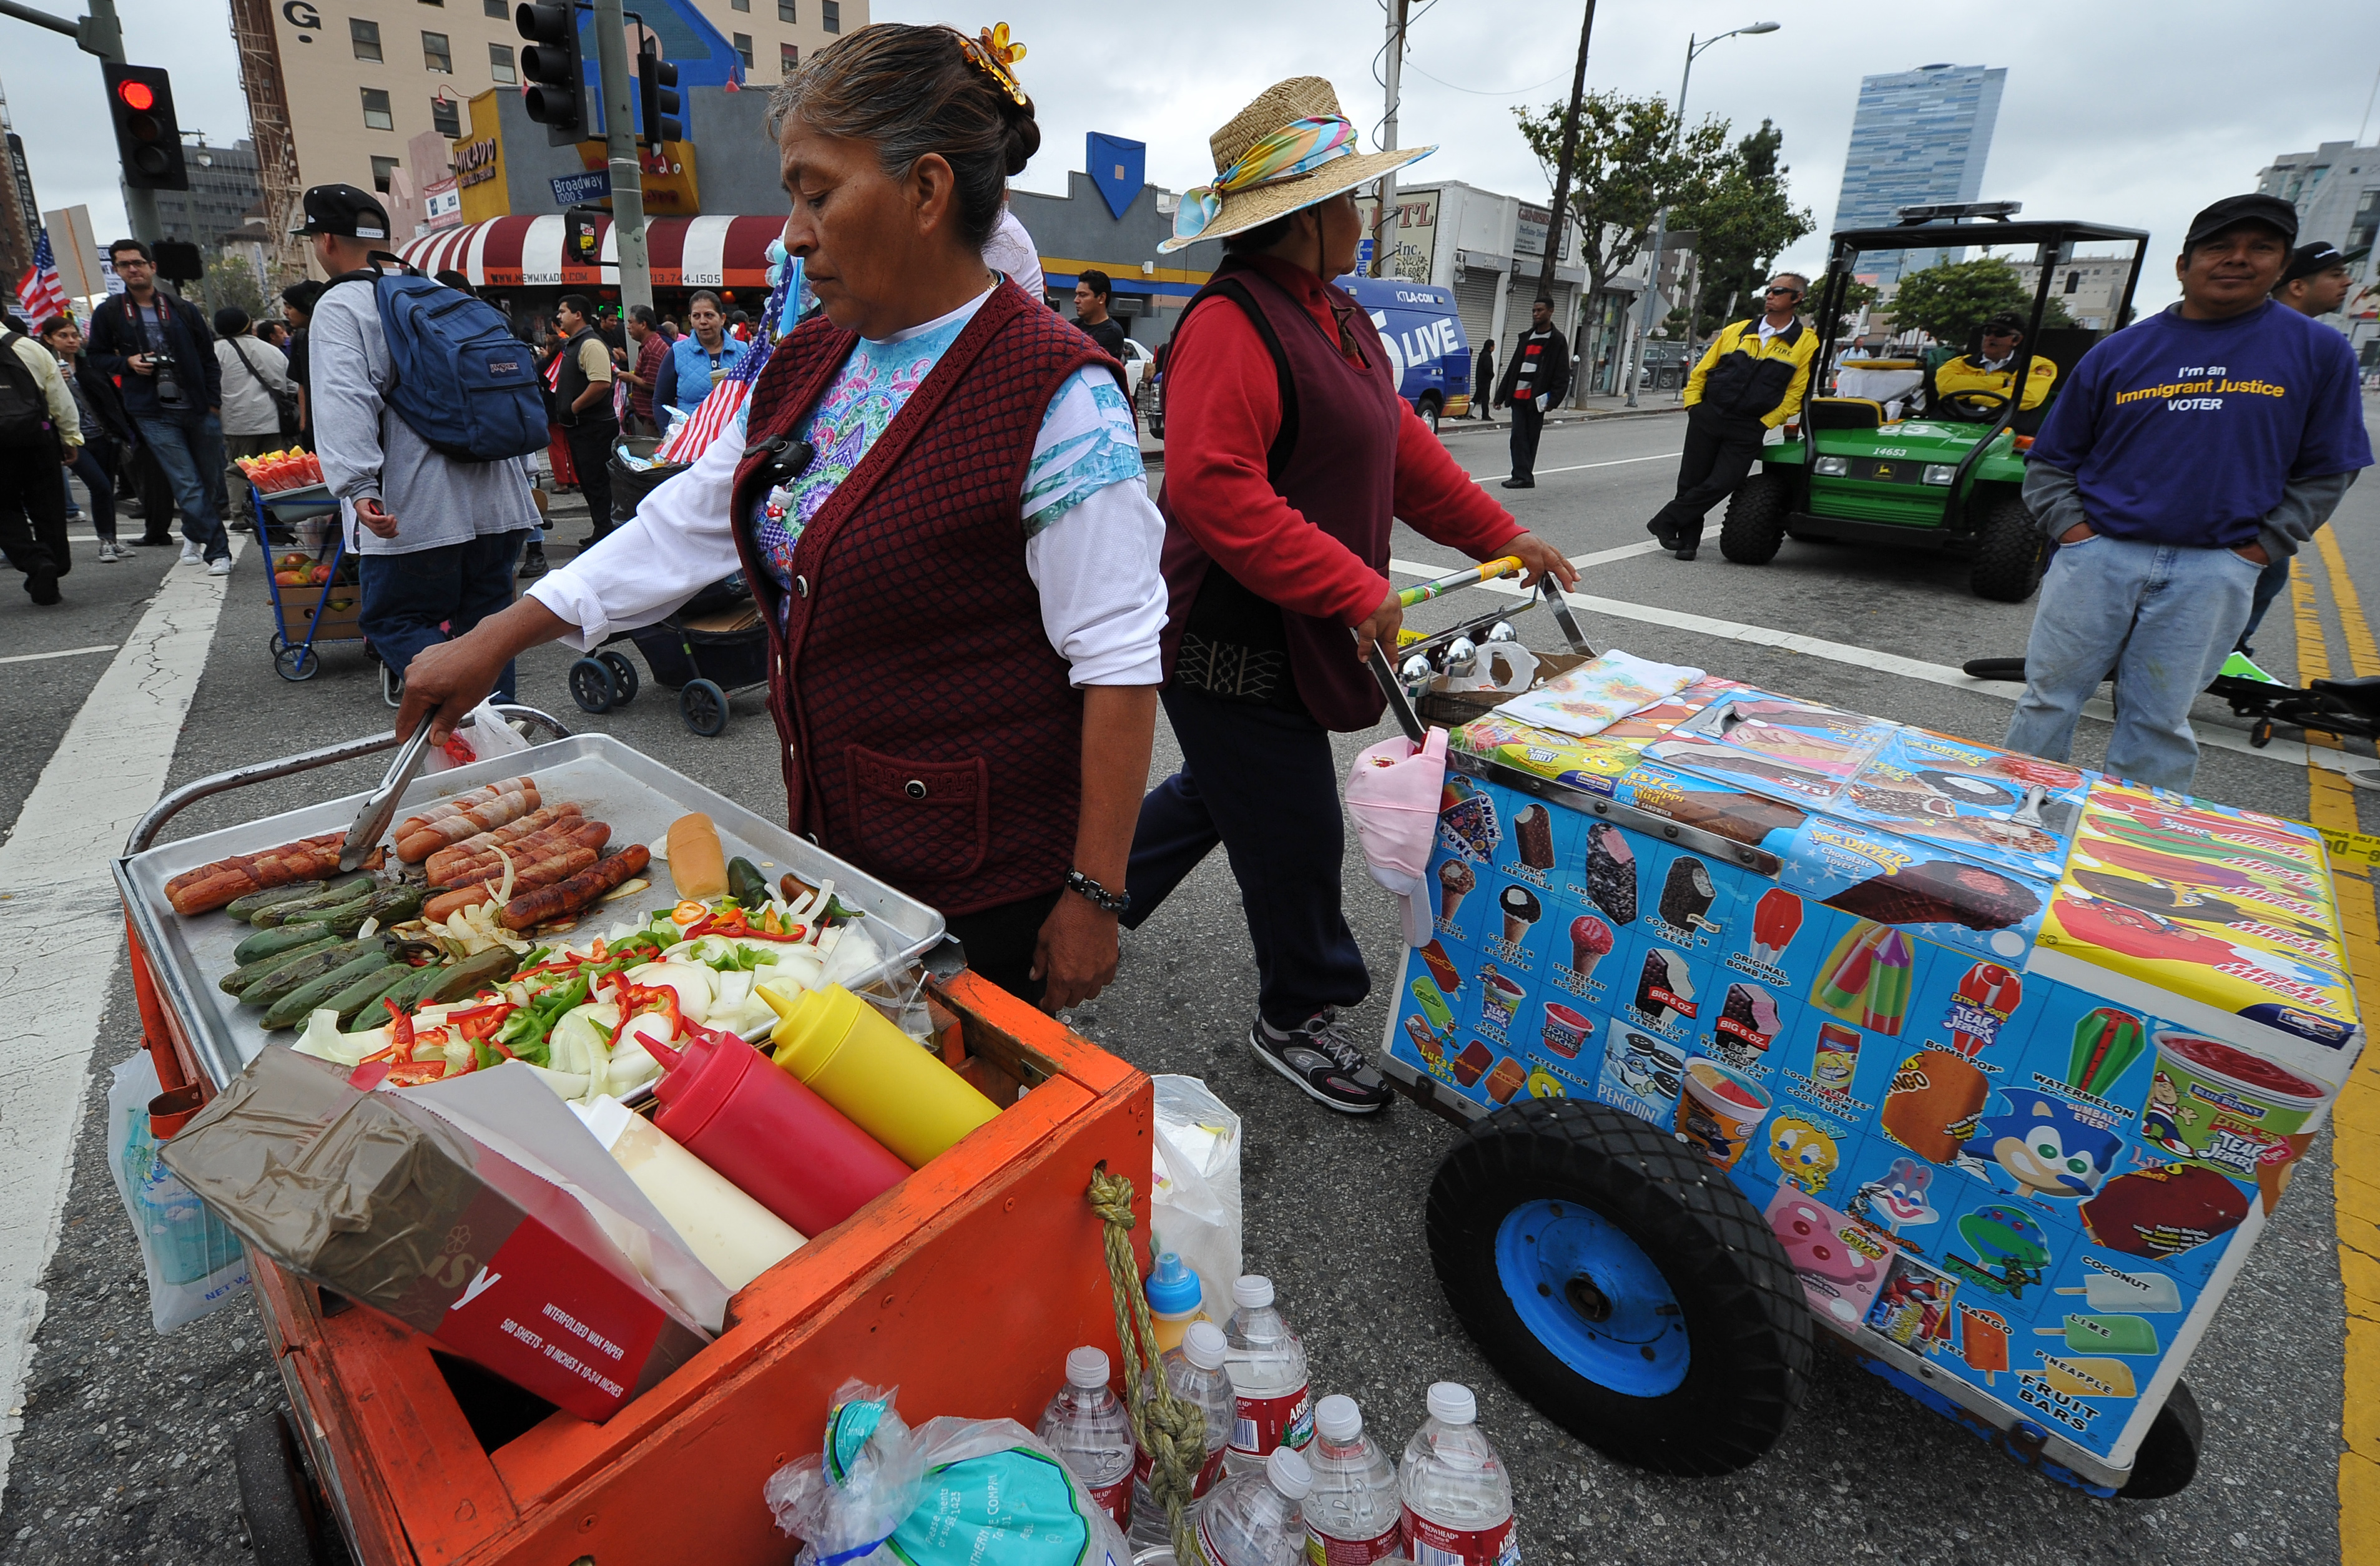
(40, 294)
(723, 411)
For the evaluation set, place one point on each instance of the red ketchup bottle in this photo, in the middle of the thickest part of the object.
(781, 1143)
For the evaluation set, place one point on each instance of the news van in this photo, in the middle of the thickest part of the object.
(1427, 349)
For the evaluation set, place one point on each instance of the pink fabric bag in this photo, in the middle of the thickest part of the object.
(1392, 796)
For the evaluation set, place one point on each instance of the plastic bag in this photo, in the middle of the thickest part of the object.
(484, 736)
(1194, 1209)
(950, 1492)
(195, 1264)
(1393, 797)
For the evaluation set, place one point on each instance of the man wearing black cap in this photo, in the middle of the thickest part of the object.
(2188, 453)
(435, 538)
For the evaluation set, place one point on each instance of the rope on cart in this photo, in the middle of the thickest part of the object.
(1171, 1431)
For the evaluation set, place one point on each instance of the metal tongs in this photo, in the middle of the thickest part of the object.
(380, 809)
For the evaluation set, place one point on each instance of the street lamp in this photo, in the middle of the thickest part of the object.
(1661, 223)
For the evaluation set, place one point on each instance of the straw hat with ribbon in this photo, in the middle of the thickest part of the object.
(1289, 149)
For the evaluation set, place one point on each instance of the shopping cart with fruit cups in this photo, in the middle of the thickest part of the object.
(706, 652)
(316, 596)
(1786, 1126)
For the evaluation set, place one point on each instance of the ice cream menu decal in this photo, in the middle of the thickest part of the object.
(2027, 1182)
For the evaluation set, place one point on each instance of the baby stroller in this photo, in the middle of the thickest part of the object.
(710, 649)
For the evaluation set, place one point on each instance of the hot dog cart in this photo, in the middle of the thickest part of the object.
(964, 1283)
(2008, 1062)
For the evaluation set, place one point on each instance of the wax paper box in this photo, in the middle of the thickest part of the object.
(2016, 1057)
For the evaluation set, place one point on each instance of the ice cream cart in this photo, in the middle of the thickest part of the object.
(1996, 1066)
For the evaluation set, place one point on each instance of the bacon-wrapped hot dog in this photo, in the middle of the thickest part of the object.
(211, 886)
(442, 863)
(562, 861)
(529, 909)
(487, 868)
(423, 836)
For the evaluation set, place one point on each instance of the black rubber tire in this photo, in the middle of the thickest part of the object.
(591, 686)
(2168, 1460)
(1428, 411)
(284, 1516)
(1749, 1330)
(2010, 550)
(1754, 525)
(297, 661)
(275, 644)
(623, 677)
(703, 706)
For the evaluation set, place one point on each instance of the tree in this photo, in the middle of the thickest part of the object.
(1745, 221)
(1950, 300)
(1630, 163)
(230, 281)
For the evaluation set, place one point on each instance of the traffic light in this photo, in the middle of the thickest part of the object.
(553, 70)
(656, 99)
(141, 102)
(178, 261)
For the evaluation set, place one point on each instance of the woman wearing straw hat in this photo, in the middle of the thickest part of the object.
(1288, 454)
(939, 501)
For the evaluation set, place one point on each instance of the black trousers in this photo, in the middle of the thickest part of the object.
(590, 454)
(33, 517)
(999, 942)
(1721, 449)
(1264, 784)
(1527, 421)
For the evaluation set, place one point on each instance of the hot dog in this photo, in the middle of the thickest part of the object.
(211, 886)
(487, 868)
(418, 837)
(445, 859)
(531, 909)
(566, 860)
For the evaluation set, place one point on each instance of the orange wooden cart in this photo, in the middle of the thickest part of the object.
(964, 1285)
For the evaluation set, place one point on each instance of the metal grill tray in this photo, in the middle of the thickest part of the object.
(634, 794)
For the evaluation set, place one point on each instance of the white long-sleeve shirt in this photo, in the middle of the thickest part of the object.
(1103, 600)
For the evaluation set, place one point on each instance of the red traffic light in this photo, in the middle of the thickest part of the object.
(137, 95)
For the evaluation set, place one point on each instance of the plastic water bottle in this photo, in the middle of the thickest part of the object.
(1267, 1367)
(1252, 1519)
(1174, 1300)
(1458, 1499)
(1195, 1373)
(1085, 1426)
(1354, 1517)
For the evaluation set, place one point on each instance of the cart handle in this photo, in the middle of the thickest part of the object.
(190, 793)
(1384, 667)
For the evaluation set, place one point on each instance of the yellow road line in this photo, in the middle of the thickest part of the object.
(2355, 1118)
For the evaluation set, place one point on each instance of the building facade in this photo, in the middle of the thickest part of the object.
(2336, 188)
(224, 189)
(2091, 287)
(1919, 136)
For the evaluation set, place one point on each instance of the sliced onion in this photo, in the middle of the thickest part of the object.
(505, 888)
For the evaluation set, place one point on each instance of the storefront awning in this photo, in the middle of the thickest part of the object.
(518, 252)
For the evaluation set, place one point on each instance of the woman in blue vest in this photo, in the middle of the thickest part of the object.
(698, 361)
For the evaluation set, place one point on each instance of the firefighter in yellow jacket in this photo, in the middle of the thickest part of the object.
(1748, 384)
(1993, 370)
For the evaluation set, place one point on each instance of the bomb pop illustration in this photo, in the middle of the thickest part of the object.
(2087, 1333)
(2150, 1292)
(1986, 999)
(1776, 919)
(1590, 943)
(1983, 1341)
(1520, 908)
(1455, 882)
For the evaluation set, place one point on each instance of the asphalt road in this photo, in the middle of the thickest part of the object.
(123, 1452)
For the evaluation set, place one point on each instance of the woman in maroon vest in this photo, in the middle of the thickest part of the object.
(1288, 454)
(941, 505)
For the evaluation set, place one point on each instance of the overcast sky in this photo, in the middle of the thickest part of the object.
(2119, 111)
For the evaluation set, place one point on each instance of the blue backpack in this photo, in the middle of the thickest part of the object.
(463, 382)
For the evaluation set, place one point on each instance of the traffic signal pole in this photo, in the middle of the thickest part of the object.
(620, 141)
(100, 33)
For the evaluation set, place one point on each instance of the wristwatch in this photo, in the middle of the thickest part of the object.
(1098, 896)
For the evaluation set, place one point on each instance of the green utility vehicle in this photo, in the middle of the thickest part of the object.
(1950, 473)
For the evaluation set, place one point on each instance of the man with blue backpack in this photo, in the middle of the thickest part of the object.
(423, 405)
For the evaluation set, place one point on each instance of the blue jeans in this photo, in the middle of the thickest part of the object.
(89, 467)
(2159, 618)
(190, 449)
(2272, 584)
(415, 601)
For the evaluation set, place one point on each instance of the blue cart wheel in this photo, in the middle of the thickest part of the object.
(590, 687)
(704, 708)
(1622, 1285)
(298, 662)
(623, 677)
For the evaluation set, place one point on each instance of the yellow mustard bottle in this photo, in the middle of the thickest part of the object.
(889, 1086)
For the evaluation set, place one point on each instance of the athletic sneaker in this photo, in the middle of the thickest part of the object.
(109, 553)
(191, 555)
(1323, 1060)
(219, 567)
